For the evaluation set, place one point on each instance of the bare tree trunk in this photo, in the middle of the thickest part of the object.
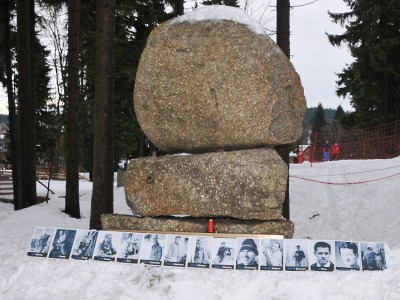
(283, 41)
(179, 7)
(103, 173)
(26, 110)
(11, 104)
(72, 184)
(283, 26)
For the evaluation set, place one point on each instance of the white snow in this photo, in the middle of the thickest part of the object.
(222, 12)
(361, 203)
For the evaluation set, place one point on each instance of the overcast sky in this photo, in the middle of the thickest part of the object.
(314, 58)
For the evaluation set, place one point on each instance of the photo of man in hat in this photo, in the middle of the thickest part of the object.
(247, 258)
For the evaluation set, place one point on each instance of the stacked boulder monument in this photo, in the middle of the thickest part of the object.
(217, 94)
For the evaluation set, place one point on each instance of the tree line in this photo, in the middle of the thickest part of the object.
(87, 118)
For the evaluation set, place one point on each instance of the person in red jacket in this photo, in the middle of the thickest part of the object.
(335, 151)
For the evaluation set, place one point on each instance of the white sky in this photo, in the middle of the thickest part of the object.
(3, 102)
(314, 58)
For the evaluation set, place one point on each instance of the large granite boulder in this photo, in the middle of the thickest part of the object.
(198, 225)
(205, 84)
(245, 184)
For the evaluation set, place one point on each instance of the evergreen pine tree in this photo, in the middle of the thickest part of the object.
(373, 79)
(103, 174)
(339, 114)
(26, 108)
(72, 206)
(318, 122)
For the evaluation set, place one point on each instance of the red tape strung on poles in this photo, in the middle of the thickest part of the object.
(343, 183)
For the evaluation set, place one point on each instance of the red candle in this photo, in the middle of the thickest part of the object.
(210, 226)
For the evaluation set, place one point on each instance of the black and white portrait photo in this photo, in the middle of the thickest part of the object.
(271, 256)
(373, 256)
(247, 254)
(152, 252)
(42, 238)
(62, 243)
(199, 252)
(347, 256)
(85, 241)
(129, 247)
(323, 256)
(223, 253)
(176, 250)
(296, 255)
(107, 245)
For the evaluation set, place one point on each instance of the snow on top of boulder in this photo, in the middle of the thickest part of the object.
(222, 12)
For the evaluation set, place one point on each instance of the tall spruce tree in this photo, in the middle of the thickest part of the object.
(373, 79)
(72, 183)
(339, 114)
(103, 173)
(8, 83)
(87, 26)
(283, 41)
(318, 122)
(26, 108)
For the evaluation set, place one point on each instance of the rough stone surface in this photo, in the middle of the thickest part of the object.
(221, 225)
(212, 85)
(245, 184)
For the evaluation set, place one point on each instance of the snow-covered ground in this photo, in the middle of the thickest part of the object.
(360, 203)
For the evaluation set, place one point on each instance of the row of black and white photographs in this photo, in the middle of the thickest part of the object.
(193, 251)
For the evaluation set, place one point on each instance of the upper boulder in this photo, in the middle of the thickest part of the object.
(213, 79)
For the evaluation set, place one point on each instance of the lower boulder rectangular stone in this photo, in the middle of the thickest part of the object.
(243, 184)
(198, 225)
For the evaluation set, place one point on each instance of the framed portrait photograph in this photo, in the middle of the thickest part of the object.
(223, 256)
(129, 247)
(373, 256)
(84, 244)
(152, 251)
(176, 250)
(107, 245)
(271, 254)
(199, 252)
(347, 256)
(62, 243)
(322, 256)
(247, 257)
(41, 240)
(296, 255)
